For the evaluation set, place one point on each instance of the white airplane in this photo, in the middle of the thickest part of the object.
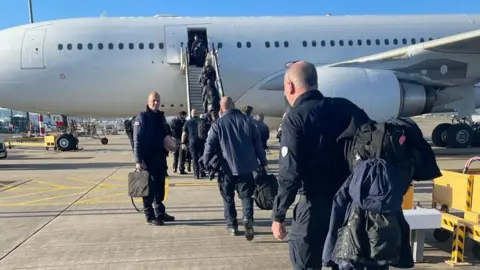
(104, 67)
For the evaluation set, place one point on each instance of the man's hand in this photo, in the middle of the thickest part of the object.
(140, 166)
(279, 231)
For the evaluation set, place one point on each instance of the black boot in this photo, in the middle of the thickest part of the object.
(151, 219)
(248, 226)
(167, 218)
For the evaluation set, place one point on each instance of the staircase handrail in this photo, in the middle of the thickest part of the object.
(185, 55)
(217, 70)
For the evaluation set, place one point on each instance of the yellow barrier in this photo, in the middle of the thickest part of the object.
(458, 191)
(408, 199)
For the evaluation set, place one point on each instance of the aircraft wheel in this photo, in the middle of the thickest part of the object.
(65, 142)
(439, 134)
(441, 235)
(104, 141)
(459, 135)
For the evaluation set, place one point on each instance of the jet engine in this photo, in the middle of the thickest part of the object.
(378, 92)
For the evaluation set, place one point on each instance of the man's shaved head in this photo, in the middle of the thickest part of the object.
(226, 104)
(300, 77)
(193, 113)
(153, 101)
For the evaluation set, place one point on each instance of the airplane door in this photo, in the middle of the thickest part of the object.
(175, 37)
(32, 49)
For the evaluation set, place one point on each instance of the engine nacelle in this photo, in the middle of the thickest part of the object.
(378, 92)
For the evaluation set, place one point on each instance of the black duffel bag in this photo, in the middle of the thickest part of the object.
(266, 187)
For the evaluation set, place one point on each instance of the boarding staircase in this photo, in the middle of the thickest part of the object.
(192, 75)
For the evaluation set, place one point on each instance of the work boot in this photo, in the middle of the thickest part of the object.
(248, 225)
(167, 218)
(151, 219)
(183, 173)
(233, 231)
(203, 174)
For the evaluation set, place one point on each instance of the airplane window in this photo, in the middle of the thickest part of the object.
(386, 41)
(332, 43)
(219, 45)
(377, 41)
(100, 46)
(404, 41)
(151, 46)
(79, 46)
(60, 47)
(120, 46)
(110, 46)
(369, 42)
(285, 44)
(277, 44)
(249, 44)
(323, 43)
(267, 44)
(422, 40)
(239, 45)
(90, 46)
(304, 43)
(69, 46)
(430, 38)
(160, 45)
(395, 41)
(413, 41)
(350, 42)
(341, 42)
(131, 46)
(314, 43)
(140, 46)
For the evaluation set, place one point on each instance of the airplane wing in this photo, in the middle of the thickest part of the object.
(446, 62)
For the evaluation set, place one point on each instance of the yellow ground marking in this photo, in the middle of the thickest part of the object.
(34, 202)
(99, 198)
(83, 180)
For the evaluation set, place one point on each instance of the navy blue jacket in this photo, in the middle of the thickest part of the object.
(264, 132)
(375, 186)
(238, 141)
(149, 131)
(312, 162)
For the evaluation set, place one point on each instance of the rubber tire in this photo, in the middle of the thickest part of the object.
(439, 136)
(476, 137)
(104, 141)
(64, 143)
(441, 235)
(452, 135)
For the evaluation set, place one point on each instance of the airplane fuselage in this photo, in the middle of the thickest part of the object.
(107, 66)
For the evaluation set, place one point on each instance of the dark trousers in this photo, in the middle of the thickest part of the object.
(196, 149)
(154, 202)
(245, 186)
(176, 159)
(308, 233)
(185, 157)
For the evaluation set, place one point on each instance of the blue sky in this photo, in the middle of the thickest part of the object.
(15, 12)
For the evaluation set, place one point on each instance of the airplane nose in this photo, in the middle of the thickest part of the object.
(10, 68)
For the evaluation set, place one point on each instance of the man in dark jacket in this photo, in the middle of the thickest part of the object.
(237, 141)
(151, 140)
(263, 129)
(311, 162)
(177, 128)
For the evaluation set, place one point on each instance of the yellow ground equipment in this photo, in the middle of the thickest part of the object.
(50, 141)
(458, 191)
(61, 142)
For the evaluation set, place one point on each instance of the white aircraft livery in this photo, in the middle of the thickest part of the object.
(390, 66)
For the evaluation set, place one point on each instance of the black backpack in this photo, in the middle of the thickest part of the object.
(202, 129)
(381, 140)
(266, 187)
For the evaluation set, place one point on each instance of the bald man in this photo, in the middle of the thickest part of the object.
(195, 142)
(311, 163)
(236, 141)
(150, 141)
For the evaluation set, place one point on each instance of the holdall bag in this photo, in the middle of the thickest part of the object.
(138, 185)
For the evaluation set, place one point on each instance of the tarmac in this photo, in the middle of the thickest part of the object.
(70, 210)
